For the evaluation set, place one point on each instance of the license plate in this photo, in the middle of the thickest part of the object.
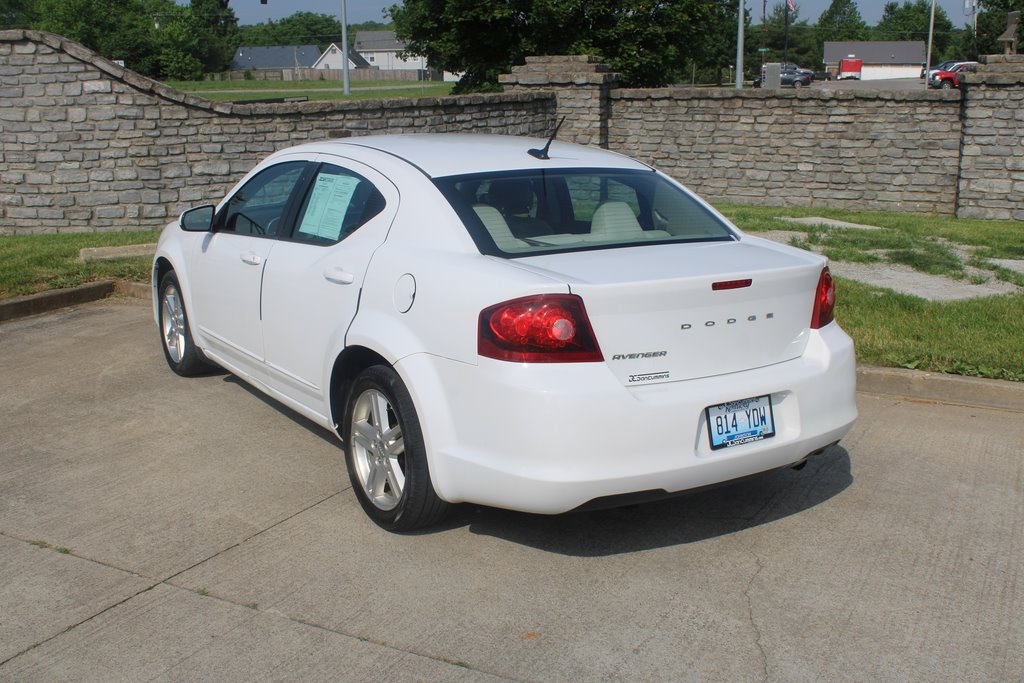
(739, 422)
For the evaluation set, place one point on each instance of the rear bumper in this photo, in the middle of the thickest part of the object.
(549, 438)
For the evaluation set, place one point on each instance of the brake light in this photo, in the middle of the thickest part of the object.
(730, 284)
(824, 301)
(547, 328)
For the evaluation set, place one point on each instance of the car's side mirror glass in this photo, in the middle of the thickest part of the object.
(199, 219)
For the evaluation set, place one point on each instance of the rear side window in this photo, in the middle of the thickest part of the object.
(337, 203)
(531, 212)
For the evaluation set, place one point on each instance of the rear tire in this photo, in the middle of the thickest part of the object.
(175, 334)
(385, 454)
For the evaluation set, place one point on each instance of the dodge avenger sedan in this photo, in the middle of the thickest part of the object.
(505, 321)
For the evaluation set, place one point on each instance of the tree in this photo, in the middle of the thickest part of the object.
(115, 29)
(910, 21)
(991, 24)
(177, 45)
(801, 46)
(157, 38)
(478, 39)
(841, 21)
(301, 28)
(16, 13)
(217, 31)
(649, 41)
(719, 55)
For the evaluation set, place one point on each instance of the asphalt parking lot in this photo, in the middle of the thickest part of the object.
(889, 84)
(160, 528)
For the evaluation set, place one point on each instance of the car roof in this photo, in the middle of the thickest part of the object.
(446, 154)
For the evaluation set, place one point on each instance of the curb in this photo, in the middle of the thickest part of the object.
(940, 388)
(90, 254)
(44, 302)
(914, 384)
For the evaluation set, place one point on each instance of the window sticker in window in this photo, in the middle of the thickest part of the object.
(328, 203)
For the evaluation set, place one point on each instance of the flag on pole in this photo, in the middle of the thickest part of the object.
(792, 5)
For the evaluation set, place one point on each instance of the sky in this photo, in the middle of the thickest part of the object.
(357, 11)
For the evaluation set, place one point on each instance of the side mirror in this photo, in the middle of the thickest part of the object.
(199, 219)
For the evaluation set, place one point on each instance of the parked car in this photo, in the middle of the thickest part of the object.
(949, 79)
(790, 66)
(943, 66)
(796, 79)
(790, 75)
(500, 321)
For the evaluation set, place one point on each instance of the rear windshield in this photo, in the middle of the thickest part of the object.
(530, 212)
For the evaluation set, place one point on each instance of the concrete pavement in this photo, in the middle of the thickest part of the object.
(155, 527)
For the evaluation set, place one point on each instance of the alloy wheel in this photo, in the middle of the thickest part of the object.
(378, 449)
(172, 318)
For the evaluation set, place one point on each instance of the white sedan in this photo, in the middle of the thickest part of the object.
(500, 321)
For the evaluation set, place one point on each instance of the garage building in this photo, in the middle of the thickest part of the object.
(882, 59)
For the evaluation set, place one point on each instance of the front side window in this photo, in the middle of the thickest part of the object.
(530, 212)
(258, 207)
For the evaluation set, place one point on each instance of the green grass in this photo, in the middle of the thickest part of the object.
(239, 91)
(995, 239)
(35, 263)
(46, 546)
(977, 337)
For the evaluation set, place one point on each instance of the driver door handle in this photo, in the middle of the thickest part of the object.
(339, 276)
(251, 258)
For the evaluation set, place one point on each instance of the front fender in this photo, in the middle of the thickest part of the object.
(172, 251)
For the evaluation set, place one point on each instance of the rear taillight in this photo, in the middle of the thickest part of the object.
(824, 301)
(547, 328)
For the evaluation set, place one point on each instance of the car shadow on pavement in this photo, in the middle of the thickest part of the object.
(283, 410)
(688, 518)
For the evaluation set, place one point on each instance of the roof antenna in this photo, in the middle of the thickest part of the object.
(543, 153)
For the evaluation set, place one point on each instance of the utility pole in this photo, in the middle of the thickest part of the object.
(785, 40)
(739, 47)
(764, 34)
(344, 50)
(928, 57)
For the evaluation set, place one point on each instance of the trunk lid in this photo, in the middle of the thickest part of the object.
(658, 319)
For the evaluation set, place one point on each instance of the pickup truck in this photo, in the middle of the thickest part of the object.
(947, 79)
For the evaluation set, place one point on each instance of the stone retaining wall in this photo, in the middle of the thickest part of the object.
(87, 145)
(991, 183)
(886, 151)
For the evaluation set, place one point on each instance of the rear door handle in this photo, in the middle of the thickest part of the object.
(339, 276)
(251, 258)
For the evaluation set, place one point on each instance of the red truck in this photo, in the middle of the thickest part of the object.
(850, 68)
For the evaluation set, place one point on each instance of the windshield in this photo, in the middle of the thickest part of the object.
(529, 212)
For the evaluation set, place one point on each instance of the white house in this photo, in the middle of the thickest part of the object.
(381, 48)
(881, 58)
(331, 59)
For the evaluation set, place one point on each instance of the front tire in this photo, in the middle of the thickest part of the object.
(385, 454)
(179, 350)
